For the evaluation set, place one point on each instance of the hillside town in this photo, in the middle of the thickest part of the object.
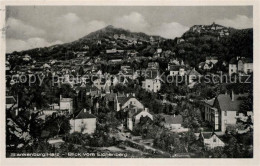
(116, 93)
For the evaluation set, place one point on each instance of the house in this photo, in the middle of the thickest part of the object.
(10, 102)
(101, 83)
(172, 121)
(152, 81)
(211, 140)
(83, 122)
(211, 114)
(122, 101)
(176, 70)
(111, 51)
(109, 99)
(193, 75)
(7, 66)
(114, 61)
(153, 65)
(122, 36)
(224, 110)
(134, 116)
(232, 68)
(240, 65)
(66, 104)
(180, 40)
(92, 91)
(247, 65)
(211, 59)
(152, 40)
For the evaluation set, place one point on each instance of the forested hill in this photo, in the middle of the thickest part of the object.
(193, 46)
(225, 43)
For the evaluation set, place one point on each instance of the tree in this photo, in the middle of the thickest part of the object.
(57, 124)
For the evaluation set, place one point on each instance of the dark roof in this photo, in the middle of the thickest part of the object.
(110, 97)
(207, 135)
(123, 99)
(171, 119)
(226, 103)
(84, 115)
(233, 61)
(201, 64)
(174, 67)
(210, 102)
(211, 58)
(248, 60)
(193, 72)
(10, 100)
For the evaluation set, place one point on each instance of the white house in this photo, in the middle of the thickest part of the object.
(172, 121)
(240, 65)
(66, 104)
(211, 140)
(224, 110)
(134, 117)
(122, 102)
(84, 122)
(210, 59)
(152, 81)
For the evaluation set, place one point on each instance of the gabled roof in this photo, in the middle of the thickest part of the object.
(210, 102)
(226, 103)
(174, 67)
(207, 135)
(171, 119)
(193, 72)
(10, 100)
(123, 99)
(233, 61)
(84, 115)
(66, 99)
(110, 97)
(211, 58)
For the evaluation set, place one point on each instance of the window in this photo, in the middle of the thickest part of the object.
(214, 139)
(237, 113)
(231, 70)
(148, 86)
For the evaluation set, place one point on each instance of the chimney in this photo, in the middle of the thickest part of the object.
(232, 96)
(34, 108)
(173, 115)
(16, 112)
(89, 111)
(145, 109)
(134, 94)
(84, 110)
(60, 97)
(127, 95)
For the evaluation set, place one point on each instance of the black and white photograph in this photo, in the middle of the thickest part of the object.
(129, 81)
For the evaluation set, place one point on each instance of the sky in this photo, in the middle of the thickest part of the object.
(40, 26)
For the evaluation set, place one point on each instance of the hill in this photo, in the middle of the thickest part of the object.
(201, 41)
